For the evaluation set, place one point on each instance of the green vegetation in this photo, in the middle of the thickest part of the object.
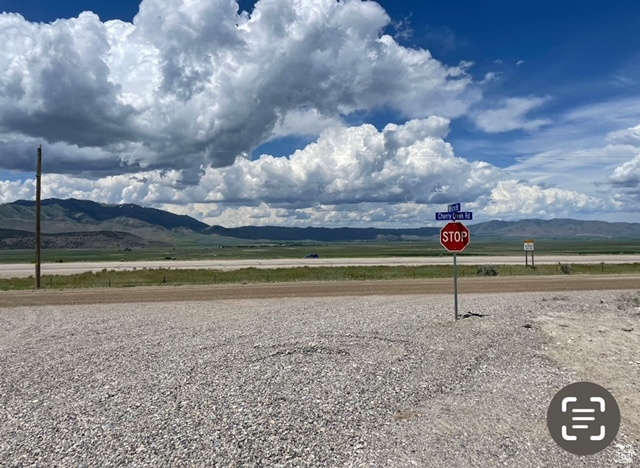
(160, 277)
(487, 270)
(557, 298)
(630, 302)
(565, 268)
(479, 246)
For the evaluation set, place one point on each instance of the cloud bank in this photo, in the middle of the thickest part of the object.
(166, 111)
(355, 176)
(196, 84)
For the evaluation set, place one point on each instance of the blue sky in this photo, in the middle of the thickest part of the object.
(314, 112)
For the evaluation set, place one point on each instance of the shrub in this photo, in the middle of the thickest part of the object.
(565, 268)
(487, 270)
(629, 301)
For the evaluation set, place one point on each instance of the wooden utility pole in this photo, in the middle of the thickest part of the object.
(38, 200)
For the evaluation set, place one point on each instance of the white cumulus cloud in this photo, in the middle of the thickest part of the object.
(167, 110)
(359, 176)
(625, 179)
(511, 198)
(195, 84)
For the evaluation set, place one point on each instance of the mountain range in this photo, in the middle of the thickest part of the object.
(75, 223)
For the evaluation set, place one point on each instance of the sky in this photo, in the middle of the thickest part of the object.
(324, 112)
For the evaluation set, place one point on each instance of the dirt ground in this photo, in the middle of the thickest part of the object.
(594, 335)
(602, 344)
(605, 346)
(317, 289)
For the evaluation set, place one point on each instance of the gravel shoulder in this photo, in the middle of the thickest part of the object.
(370, 380)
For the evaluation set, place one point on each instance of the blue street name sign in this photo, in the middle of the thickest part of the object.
(444, 216)
(453, 207)
(459, 216)
(463, 215)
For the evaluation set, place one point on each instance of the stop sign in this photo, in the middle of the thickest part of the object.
(455, 237)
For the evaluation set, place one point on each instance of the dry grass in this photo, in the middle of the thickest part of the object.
(160, 277)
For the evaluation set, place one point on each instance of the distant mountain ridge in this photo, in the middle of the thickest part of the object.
(559, 227)
(75, 223)
(12, 239)
(87, 224)
(321, 234)
(536, 228)
(90, 212)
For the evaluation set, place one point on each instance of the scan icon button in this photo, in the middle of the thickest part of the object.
(583, 418)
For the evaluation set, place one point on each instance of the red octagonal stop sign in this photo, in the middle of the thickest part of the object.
(455, 237)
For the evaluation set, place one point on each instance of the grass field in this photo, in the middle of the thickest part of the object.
(162, 277)
(326, 250)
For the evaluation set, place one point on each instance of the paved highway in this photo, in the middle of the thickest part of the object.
(24, 270)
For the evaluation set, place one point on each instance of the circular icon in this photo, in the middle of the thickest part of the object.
(583, 418)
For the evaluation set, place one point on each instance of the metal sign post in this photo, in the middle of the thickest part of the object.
(455, 285)
(528, 247)
(454, 237)
(38, 216)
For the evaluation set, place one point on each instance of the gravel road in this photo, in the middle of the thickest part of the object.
(216, 292)
(384, 380)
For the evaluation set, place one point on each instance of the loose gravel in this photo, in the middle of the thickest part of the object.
(340, 381)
